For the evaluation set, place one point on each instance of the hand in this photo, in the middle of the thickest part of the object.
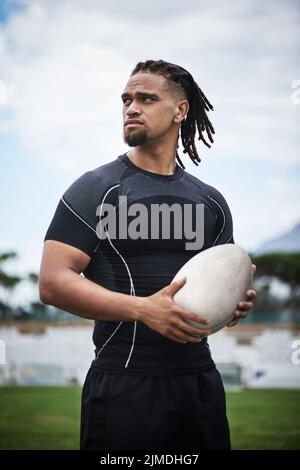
(160, 313)
(244, 306)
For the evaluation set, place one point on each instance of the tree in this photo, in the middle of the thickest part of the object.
(8, 283)
(286, 268)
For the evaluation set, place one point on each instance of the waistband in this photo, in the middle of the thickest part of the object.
(176, 359)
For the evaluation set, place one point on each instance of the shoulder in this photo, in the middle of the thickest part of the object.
(86, 193)
(94, 182)
(213, 194)
(216, 200)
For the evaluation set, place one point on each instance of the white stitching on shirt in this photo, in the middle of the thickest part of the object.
(70, 208)
(229, 238)
(132, 291)
(223, 218)
(189, 179)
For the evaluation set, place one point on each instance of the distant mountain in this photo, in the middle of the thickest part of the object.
(289, 241)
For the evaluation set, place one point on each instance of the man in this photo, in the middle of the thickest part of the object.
(153, 383)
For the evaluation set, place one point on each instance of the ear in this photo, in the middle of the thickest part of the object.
(181, 111)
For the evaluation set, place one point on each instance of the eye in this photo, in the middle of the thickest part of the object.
(145, 98)
(126, 102)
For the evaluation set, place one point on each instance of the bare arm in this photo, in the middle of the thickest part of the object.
(61, 285)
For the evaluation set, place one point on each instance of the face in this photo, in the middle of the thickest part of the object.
(152, 109)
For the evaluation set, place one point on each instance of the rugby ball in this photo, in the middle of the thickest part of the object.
(216, 281)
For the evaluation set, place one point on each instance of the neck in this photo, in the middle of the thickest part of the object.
(158, 160)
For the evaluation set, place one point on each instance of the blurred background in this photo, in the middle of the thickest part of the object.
(63, 67)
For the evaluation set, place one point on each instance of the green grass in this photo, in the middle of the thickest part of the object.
(48, 418)
(39, 417)
(264, 419)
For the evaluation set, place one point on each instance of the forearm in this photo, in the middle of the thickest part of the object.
(74, 293)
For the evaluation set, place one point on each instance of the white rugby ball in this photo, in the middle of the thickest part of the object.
(216, 281)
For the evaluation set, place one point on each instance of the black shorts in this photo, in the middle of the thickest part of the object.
(158, 412)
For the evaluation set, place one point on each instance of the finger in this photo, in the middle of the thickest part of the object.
(186, 314)
(190, 330)
(232, 323)
(192, 338)
(253, 268)
(251, 294)
(245, 305)
(177, 339)
(181, 337)
(172, 288)
(238, 314)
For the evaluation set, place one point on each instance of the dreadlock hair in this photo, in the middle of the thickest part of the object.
(198, 105)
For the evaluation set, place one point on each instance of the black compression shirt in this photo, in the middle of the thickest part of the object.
(139, 266)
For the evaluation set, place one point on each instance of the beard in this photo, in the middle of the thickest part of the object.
(135, 138)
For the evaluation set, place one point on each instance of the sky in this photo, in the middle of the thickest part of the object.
(64, 65)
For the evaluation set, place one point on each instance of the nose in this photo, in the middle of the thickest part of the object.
(133, 109)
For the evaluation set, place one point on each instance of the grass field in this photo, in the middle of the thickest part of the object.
(48, 418)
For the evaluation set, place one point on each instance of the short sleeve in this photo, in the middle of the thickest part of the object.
(224, 223)
(75, 220)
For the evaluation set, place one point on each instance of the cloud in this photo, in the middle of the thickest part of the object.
(65, 63)
(272, 209)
